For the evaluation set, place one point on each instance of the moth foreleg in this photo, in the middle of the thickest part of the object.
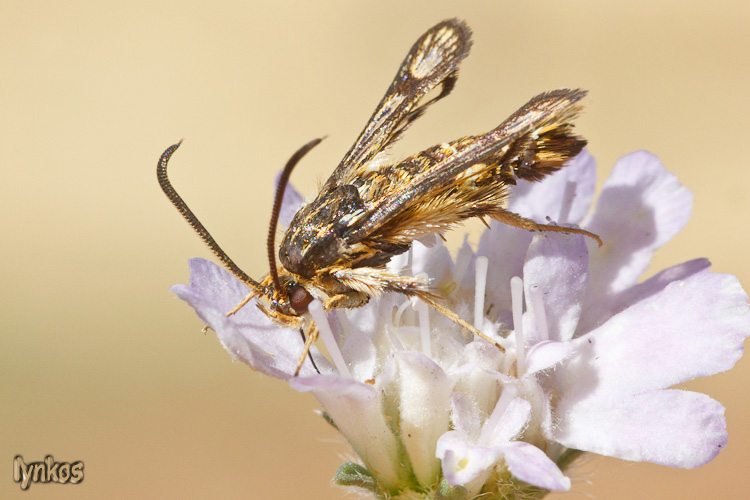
(515, 220)
(312, 336)
(242, 303)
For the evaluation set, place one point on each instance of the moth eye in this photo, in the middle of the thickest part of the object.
(299, 298)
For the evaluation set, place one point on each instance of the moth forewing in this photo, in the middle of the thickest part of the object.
(433, 60)
(370, 209)
(470, 177)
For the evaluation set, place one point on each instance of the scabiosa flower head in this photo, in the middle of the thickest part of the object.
(590, 352)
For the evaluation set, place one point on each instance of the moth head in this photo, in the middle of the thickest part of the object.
(291, 299)
(286, 295)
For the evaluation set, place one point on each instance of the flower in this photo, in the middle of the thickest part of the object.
(587, 366)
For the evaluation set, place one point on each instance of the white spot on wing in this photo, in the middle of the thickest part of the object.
(425, 65)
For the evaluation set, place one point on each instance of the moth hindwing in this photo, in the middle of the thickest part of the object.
(372, 208)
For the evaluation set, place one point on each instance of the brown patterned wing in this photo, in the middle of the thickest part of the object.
(470, 177)
(433, 60)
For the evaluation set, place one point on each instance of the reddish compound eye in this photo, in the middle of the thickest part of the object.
(299, 298)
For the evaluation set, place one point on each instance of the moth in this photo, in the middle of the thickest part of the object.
(372, 208)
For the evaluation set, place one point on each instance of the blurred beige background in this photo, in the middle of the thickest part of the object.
(100, 363)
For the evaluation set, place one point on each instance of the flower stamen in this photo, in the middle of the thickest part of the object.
(482, 263)
(508, 394)
(516, 297)
(320, 318)
(424, 328)
(398, 317)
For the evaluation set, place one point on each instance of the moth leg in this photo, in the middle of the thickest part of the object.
(242, 303)
(309, 353)
(346, 300)
(312, 336)
(454, 317)
(515, 220)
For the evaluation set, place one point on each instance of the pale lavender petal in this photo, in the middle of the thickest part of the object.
(505, 247)
(641, 207)
(692, 328)
(424, 410)
(558, 265)
(564, 196)
(290, 204)
(356, 409)
(360, 354)
(436, 261)
(540, 422)
(529, 463)
(248, 335)
(669, 427)
(480, 382)
(544, 355)
(462, 462)
(464, 416)
(368, 320)
(511, 424)
(592, 317)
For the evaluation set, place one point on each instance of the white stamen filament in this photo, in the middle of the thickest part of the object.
(479, 290)
(508, 394)
(400, 312)
(516, 298)
(409, 261)
(319, 316)
(537, 304)
(424, 328)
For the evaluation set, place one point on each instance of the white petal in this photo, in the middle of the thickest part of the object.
(505, 247)
(424, 411)
(692, 328)
(482, 358)
(670, 427)
(465, 416)
(558, 265)
(360, 355)
(248, 335)
(529, 463)
(463, 462)
(564, 197)
(545, 355)
(356, 409)
(594, 315)
(511, 423)
(641, 207)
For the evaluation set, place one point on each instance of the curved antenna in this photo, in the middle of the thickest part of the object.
(179, 203)
(278, 198)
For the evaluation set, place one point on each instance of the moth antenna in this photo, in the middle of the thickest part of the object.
(278, 198)
(179, 203)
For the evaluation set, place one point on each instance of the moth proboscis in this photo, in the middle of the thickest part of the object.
(372, 208)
